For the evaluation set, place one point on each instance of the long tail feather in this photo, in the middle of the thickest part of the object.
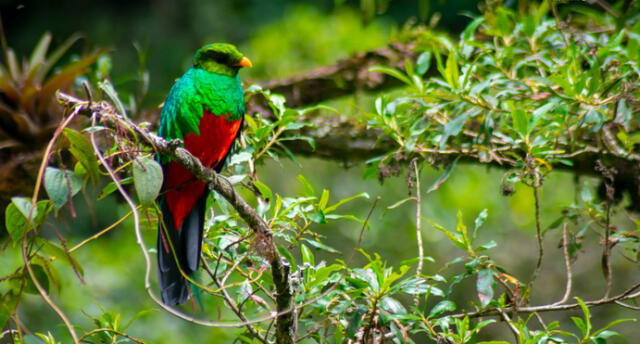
(187, 243)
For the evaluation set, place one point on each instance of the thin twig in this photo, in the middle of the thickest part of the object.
(285, 321)
(512, 327)
(117, 333)
(25, 255)
(147, 258)
(229, 301)
(416, 300)
(626, 305)
(631, 293)
(606, 252)
(536, 195)
(364, 226)
(567, 266)
(100, 233)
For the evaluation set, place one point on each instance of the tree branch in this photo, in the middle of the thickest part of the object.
(343, 139)
(348, 76)
(264, 237)
(631, 293)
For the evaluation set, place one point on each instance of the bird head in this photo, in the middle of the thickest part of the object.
(220, 58)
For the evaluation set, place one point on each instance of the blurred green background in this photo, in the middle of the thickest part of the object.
(284, 38)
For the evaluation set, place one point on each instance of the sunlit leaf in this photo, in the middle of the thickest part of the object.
(265, 191)
(307, 255)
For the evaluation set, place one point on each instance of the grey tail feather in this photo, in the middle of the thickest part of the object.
(187, 244)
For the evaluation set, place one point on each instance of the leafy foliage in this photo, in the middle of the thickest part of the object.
(29, 87)
(516, 89)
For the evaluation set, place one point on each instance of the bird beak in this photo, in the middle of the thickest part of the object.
(244, 62)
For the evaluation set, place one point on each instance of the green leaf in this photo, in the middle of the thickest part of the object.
(15, 222)
(455, 238)
(606, 334)
(469, 31)
(61, 185)
(611, 324)
(587, 316)
(452, 74)
(321, 246)
(491, 244)
(309, 191)
(423, 63)
(354, 322)
(111, 92)
(83, 151)
(265, 191)
(59, 253)
(453, 128)
(42, 277)
(43, 208)
(55, 56)
(394, 72)
(520, 123)
(307, 255)
(538, 114)
(461, 227)
(392, 306)
(414, 286)
(317, 216)
(17, 212)
(444, 176)
(147, 179)
(323, 274)
(40, 52)
(111, 187)
(484, 286)
(324, 199)
(240, 158)
(345, 200)
(580, 325)
(25, 207)
(8, 304)
(442, 307)
(401, 202)
(480, 219)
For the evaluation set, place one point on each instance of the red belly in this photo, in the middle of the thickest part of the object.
(211, 146)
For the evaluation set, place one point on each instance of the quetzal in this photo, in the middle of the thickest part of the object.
(205, 109)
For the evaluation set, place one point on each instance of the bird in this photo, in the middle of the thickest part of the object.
(204, 109)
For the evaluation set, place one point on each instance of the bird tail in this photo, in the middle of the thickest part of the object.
(186, 243)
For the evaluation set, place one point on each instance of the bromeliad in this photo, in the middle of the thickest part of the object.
(205, 109)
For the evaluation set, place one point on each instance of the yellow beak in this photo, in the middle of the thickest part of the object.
(244, 62)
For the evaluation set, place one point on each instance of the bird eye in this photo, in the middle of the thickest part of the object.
(217, 56)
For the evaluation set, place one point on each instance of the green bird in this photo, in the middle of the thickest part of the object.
(205, 110)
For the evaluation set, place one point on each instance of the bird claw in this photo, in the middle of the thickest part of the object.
(175, 143)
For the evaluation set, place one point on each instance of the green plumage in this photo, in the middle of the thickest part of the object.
(198, 88)
(204, 109)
